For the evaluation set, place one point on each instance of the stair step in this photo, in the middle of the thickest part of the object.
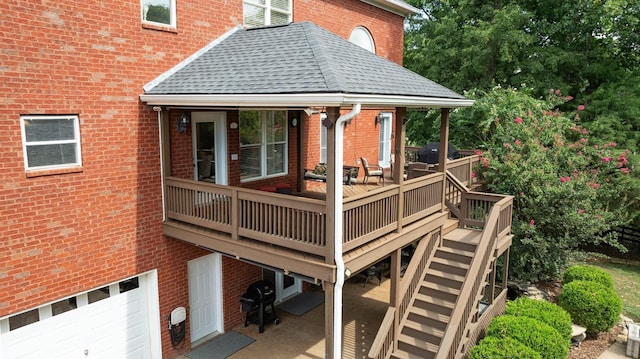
(400, 354)
(419, 303)
(430, 314)
(449, 295)
(449, 225)
(454, 255)
(464, 239)
(434, 335)
(437, 324)
(444, 279)
(434, 301)
(449, 266)
(467, 247)
(440, 288)
(417, 347)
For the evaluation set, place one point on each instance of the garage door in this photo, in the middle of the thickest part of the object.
(109, 322)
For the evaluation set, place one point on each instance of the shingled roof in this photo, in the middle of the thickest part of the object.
(300, 62)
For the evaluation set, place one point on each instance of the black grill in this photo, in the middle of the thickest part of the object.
(257, 302)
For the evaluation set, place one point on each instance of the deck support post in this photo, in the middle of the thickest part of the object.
(394, 290)
(398, 170)
(443, 151)
(328, 319)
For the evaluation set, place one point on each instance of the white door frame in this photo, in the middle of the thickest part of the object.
(384, 155)
(220, 120)
(215, 275)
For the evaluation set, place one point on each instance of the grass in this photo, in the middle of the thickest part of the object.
(625, 277)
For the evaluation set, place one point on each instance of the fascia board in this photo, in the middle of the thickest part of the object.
(396, 7)
(302, 100)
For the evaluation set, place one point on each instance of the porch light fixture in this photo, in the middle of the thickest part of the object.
(183, 122)
(377, 120)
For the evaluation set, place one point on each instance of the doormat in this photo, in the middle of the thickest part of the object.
(221, 346)
(302, 303)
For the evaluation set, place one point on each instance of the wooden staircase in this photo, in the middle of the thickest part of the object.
(421, 332)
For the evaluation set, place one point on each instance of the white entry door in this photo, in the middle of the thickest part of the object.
(209, 147)
(286, 286)
(205, 295)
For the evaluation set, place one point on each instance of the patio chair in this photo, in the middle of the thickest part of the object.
(371, 171)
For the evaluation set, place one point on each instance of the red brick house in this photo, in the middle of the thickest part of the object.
(138, 142)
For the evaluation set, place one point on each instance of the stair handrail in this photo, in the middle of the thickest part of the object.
(408, 285)
(383, 344)
(454, 195)
(470, 291)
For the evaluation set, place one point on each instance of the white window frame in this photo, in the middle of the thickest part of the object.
(362, 37)
(384, 149)
(263, 145)
(75, 140)
(172, 14)
(267, 11)
(323, 139)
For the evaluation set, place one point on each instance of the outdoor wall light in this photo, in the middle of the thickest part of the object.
(377, 120)
(183, 122)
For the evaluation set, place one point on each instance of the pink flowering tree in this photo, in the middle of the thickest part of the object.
(568, 192)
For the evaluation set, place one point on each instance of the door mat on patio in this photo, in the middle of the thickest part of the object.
(302, 303)
(221, 346)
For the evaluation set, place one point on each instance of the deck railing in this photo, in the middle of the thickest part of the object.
(470, 293)
(297, 222)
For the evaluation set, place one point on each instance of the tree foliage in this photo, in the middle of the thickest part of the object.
(544, 49)
(568, 191)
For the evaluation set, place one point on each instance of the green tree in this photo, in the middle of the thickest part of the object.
(567, 190)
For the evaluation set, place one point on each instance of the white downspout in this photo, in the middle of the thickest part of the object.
(164, 208)
(337, 173)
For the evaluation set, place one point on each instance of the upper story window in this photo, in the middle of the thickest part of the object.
(51, 141)
(159, 12)
(266, 12)
(263, 144)
(362, 37)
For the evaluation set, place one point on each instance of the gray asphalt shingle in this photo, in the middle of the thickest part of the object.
(294, 58)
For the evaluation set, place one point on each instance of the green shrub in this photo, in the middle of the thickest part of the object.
(591, 305)
(533, 333)
(592, 274)
(543, 311)
(502, 348)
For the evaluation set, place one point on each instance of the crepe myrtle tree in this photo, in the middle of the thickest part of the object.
(568, 191)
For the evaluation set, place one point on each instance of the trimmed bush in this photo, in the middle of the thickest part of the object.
(543, 311)
(502, 348)
(592, 274)
(591, 305)
(533, 333)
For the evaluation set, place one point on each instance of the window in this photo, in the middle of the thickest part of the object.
(51, 141)
(361, 37)
(263, 144)
(384, 149)
(323, 139)
(266, 12)
(159, 12)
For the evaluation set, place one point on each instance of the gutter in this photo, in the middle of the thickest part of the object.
(337, 173)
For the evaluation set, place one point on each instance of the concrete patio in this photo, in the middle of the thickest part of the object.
(303, 336)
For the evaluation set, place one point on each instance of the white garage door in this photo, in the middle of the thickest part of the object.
(109, 322)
